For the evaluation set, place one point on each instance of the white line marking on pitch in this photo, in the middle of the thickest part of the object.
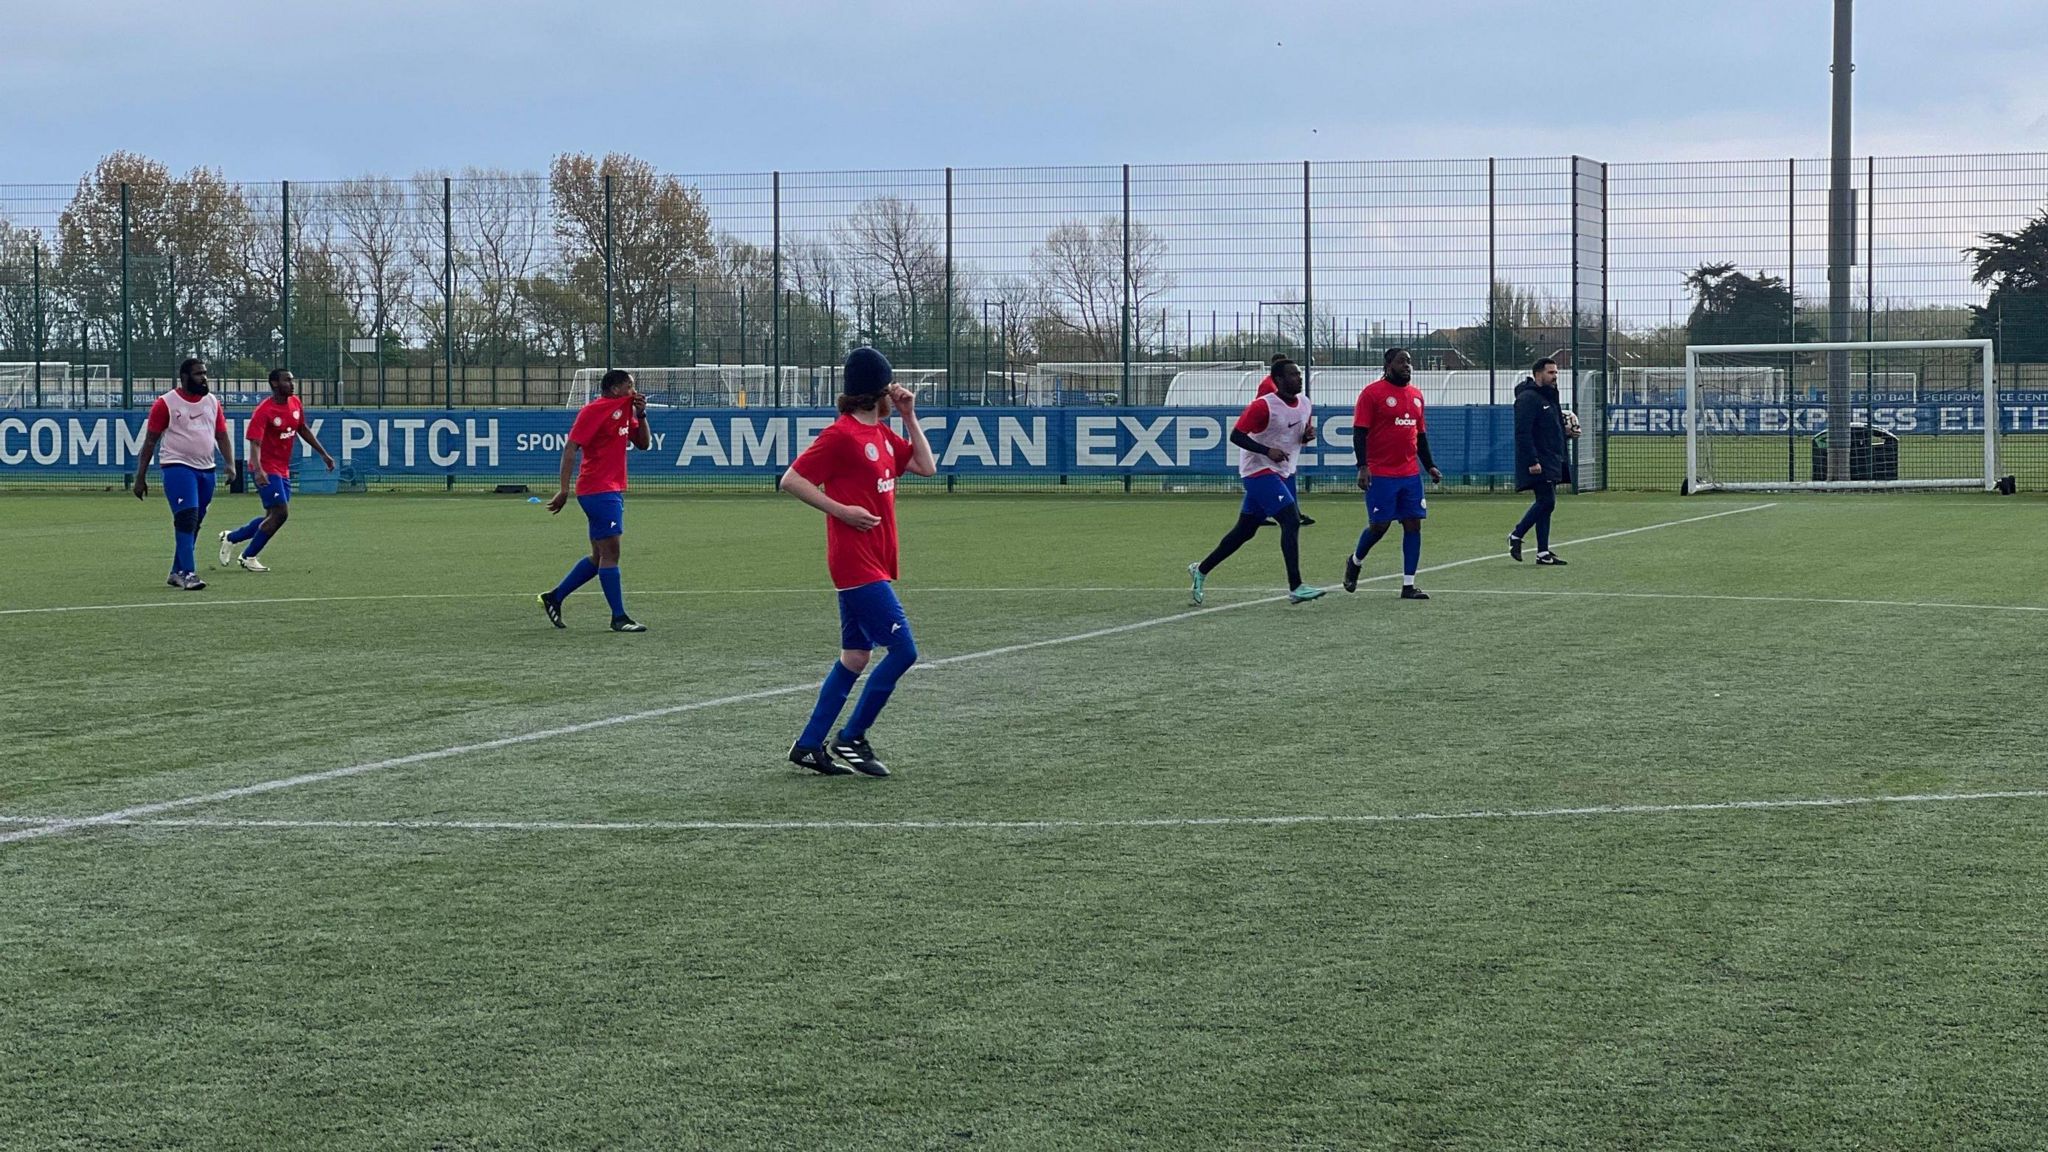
(1057, 824)
(1745, 599)
(61, 827)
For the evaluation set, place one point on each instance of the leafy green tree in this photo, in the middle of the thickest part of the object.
(660, 232)
(1731, 307)
(192, 245)
(2014, 265)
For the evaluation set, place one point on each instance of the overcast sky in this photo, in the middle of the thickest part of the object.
(321, 91)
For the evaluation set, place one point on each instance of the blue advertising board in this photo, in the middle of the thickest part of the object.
(476, 444)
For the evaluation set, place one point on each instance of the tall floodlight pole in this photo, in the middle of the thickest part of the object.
(1841, 246)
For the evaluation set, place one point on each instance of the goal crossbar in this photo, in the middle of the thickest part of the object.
(1987, 379)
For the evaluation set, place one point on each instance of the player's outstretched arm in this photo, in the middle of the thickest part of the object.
(561, 496)
(861, 519)
(922, 461)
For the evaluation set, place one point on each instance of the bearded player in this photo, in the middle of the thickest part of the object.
(1391, 437)
(188, 423)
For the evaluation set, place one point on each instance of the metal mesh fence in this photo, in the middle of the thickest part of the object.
(1016, 289)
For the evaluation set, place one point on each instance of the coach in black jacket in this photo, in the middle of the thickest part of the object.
(1541, 459)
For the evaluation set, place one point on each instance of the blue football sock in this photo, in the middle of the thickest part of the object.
(614, 591)
(1366, 540)
(1411, 551)
(245, 531)
(256, 545)
(881, 682)
(577, 578)
(183, 561)
(832, 696)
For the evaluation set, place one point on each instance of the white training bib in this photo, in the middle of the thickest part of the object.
(1286, 429)
(190, 438)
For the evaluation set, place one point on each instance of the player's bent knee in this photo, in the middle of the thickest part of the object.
(188, 520)
(856, 661)
(904, 653)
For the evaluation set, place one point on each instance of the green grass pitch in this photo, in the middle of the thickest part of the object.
(1518, 868)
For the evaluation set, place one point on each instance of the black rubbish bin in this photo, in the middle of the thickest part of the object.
(1873, 454)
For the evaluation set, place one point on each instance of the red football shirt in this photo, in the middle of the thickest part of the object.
(273, 426)
(858, 464)
(1266, 388)
(1391, 414)
(604, 430)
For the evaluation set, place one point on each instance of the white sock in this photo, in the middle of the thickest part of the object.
(1407, 581)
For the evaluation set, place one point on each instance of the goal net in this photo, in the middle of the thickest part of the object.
(1833, 416)
(56, 384)
(745, 385)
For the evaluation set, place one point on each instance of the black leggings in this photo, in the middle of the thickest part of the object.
(1247, 527)
(1538, 515)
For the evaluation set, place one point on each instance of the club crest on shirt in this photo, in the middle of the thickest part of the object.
(873, 452)
(1393, 403)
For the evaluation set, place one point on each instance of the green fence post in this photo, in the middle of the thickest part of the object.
(127, 320)
(1308, 285)
(949, 289)
(608, 271)
(447, 292)
(286, 215)
(36, 316)
(775, 288)
(1124, 321)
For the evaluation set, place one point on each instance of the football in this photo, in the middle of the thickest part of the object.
(1571, 425)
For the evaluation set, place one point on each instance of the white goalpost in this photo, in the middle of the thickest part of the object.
(1923, 414)
(56, 384)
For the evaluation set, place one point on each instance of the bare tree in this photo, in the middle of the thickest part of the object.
(1079, 270)
(369, 221)
(493, 222)
(19, 304)
(894, 259)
